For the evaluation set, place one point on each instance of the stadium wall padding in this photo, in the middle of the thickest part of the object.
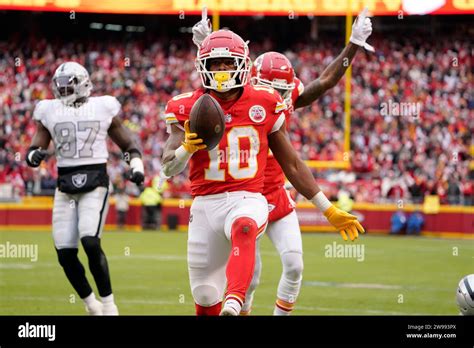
(34, 214)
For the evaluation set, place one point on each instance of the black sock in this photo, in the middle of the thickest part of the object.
(98, 264)
(74, 271)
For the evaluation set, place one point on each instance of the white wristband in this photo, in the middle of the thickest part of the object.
(181, 154)
(321, 201)
(136, 164)
(30, 156)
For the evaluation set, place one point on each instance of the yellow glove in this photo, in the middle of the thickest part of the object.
(191, 141)
(346, 223)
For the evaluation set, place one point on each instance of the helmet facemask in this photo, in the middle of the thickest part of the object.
(284, 88)
(223, 81)
(69, 87)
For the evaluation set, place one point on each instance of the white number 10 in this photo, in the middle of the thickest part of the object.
(234, 155)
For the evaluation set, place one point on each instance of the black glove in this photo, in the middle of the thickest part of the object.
(137, 177)
(35, 156)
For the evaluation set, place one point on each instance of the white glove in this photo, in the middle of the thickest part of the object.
(361, 30)
(201, 29)
(137, 174)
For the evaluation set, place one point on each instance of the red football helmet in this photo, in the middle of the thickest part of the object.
(275, 70)
(223, 44)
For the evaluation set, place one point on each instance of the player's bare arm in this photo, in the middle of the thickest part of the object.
(179, 148)
(121, 136)
(39, 145)
(293, 166)
(301, 178)
(361, 30)
(172, 143)
(329, 77)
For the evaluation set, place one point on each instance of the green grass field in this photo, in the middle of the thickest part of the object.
(399, 275)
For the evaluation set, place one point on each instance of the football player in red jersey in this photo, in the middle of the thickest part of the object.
(228, 211)
(275, 70)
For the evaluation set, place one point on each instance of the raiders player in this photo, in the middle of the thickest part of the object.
(78, 125)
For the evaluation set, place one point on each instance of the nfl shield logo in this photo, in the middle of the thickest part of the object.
(79, 180)
(257, 113)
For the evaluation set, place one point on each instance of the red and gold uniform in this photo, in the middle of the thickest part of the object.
(238, 162)
(279, 200)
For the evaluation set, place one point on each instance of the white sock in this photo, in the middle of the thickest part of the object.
(290, 283)
(233, 304)
(108, 299)
(278, 311)
(89, 300)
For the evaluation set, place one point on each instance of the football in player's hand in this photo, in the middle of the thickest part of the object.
(207, 120)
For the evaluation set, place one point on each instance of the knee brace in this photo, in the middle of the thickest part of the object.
(205, 295)
(244, 229)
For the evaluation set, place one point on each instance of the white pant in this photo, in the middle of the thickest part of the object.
(286, 237)
(209, 239)
(78, 215)
(285, 234)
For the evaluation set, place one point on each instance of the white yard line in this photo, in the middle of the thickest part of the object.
(315, 310)
(157, 257)
(16, 265)
(353, 285)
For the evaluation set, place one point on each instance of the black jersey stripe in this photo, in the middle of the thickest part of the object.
(102, 211)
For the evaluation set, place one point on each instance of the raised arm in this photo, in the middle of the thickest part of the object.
(361, 30)
(302, 179)
(329, 78)
(122, 137)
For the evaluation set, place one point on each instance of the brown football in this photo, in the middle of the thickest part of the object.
(207, 120)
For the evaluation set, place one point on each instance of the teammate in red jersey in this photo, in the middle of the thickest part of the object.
(228, 211)
(275, 70)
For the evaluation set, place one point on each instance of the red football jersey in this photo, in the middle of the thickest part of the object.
(274, 176)
(238, 162)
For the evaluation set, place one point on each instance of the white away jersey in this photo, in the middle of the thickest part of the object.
(79, 134)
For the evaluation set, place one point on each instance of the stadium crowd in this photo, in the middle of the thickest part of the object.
(394, 155)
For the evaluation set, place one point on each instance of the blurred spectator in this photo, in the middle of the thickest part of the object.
(393, 157)
(415, 223)
(121, 205)
(454, 191)
(398, 222)
(344, 201)
(161, 186)
(150, 198)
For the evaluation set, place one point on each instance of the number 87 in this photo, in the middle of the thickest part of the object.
(66, 138)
